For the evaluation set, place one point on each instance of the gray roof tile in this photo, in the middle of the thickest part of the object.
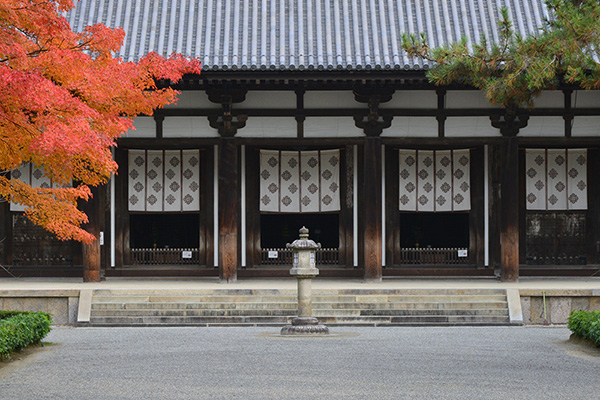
(299, 34)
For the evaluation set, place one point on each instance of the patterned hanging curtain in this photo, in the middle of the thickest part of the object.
(164, 180)
(300, 181)
(556, 179)
(32, 175)
(435, 181)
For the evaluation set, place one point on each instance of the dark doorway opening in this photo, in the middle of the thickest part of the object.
(164, 230)
(278, 229)
(437, 230)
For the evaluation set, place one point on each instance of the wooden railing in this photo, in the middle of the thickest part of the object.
(328, 256)
(164, 256)
(433, 256)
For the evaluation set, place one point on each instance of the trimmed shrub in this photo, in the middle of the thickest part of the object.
(7, 314)
(586, 324)
(22, 329)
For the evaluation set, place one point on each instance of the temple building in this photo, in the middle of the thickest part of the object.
(309, 113)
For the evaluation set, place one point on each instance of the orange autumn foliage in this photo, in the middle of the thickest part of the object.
(64, 100)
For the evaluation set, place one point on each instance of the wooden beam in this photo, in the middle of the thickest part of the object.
(91, 252)
(370, 210)
(509, 210)
(228, 210)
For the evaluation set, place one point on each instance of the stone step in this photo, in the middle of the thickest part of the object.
(292, 292)
(465, 319)
(279, 312)
(277, 321)
(294, 306)
(278, 307)
(285, 299)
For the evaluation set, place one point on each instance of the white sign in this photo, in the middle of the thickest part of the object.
(101, 238)
(463, 253)
(186, 254)
(273, 254)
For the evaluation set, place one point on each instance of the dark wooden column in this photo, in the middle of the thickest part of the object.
(6, 237)
(227, 124)
(252, 213)
(593, 211)
(121, 210)
(476, 216)
(509, 210)
(370, 209)
(91, 252)
(372, 122)
(509, 124)
(229, 198)
(392, 211)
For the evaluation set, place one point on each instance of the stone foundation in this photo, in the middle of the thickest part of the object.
(62, 304)
(559, 304)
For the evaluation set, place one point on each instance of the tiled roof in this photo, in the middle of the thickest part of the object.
(299, 34)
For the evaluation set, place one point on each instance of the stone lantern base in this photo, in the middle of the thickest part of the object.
(305, 326)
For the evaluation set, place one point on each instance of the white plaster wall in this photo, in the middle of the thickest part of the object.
(268, 99)
(469, 127)
(586, 126)
(586, 98)
(543, 127)
(412, 127)
(269, 127)
(187, 127)
(467, 99)
(331, 127)
(550, 99)
(145, 127)
(412, 99)
(331, 99)
(193, 99)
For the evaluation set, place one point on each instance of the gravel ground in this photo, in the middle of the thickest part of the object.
(359, 363)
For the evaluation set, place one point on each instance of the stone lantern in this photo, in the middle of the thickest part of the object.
(304, 269)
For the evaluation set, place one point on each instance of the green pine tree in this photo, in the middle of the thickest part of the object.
(516, 69)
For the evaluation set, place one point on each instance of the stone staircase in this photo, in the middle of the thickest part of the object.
(272, 307)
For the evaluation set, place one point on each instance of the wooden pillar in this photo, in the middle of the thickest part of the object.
(476, 216)
(392, 212)
(370, 209)
(121, 210)
(6, 237)
(593, 211)
(91, 252)
(509, 210)
(228, 210)
(252, 207)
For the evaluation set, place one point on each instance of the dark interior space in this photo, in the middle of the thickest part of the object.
(434, 230)
(164, 230)
(278, 229)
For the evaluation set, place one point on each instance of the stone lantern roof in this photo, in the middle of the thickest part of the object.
(304, 242)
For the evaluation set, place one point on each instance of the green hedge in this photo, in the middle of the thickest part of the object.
(7, 314)
(20, 329)
(586, 324)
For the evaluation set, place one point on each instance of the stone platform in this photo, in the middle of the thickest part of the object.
(394, 301)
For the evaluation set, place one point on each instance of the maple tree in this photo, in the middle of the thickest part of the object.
(64, 100)
(516, 69)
